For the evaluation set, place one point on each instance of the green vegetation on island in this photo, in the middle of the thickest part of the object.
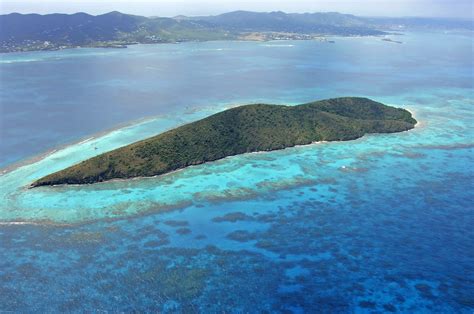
(239, 130)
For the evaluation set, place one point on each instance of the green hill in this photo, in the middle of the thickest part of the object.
(236, 131)
(28, 32)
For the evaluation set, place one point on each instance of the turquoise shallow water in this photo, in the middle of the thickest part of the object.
(382, 223)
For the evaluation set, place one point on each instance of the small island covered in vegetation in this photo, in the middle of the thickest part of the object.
(243, 129)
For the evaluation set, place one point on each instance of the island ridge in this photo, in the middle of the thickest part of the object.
(243, 129)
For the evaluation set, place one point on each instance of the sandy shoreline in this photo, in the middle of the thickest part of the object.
(190, 166)
(137, 122)
(35, 158)
(413, 112)
(82, 140)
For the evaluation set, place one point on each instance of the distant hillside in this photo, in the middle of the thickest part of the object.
(79, 27)
(319, 23)
(235, 131)
(20, 32)
(24, 32)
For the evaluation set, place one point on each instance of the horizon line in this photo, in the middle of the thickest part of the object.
(249, 11)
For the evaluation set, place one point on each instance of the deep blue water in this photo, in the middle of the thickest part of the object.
(380, 224)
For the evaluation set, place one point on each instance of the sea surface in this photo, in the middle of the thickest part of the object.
(384, 223)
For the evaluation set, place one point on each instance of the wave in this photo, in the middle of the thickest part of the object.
(18, 61)
(279, 45)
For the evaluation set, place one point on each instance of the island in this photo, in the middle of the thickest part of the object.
(34, 32)
(239, 130)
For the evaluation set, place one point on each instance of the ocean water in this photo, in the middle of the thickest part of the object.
(379, 224)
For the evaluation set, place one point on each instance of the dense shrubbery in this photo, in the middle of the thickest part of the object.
(239, 130)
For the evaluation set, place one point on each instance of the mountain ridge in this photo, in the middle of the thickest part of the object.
(28, 32)
(24, 32)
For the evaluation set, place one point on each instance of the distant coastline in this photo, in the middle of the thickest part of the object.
(34, 32)
(33, 46)
(251, 37)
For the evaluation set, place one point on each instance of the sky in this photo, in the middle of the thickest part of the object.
(432, 8)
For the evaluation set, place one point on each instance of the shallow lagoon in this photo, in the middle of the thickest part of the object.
(382, 223)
